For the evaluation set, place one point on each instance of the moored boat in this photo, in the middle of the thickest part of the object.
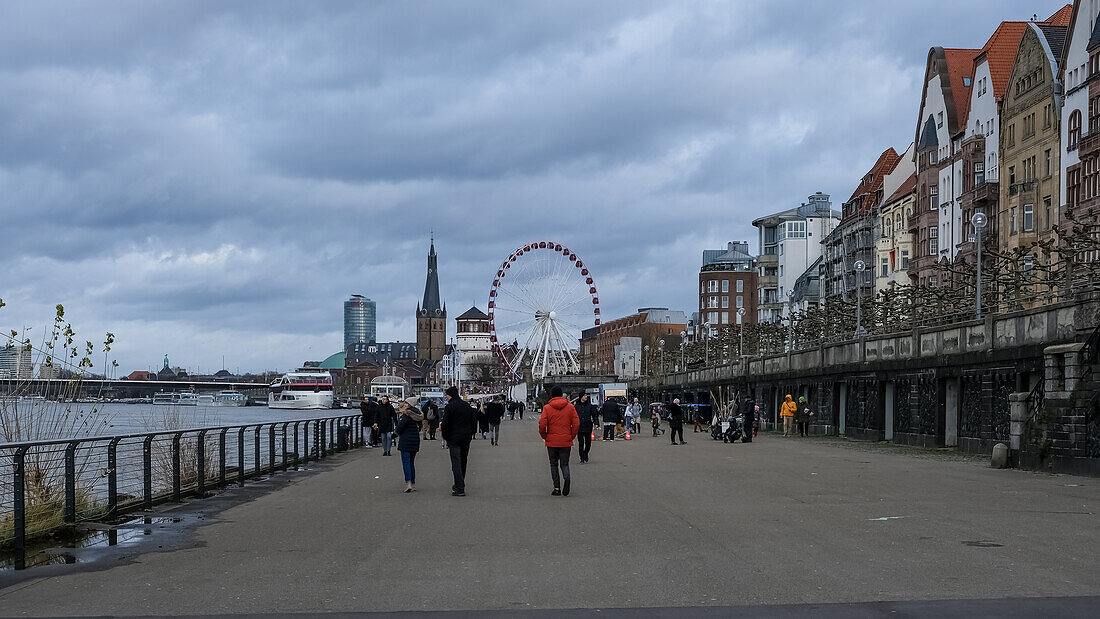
(301, 390)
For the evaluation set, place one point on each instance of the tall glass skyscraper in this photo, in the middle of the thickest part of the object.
(359, 320)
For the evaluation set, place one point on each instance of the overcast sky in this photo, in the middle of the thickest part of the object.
(209, 179)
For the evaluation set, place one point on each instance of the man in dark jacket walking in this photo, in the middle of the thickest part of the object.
(588, 415)
(384, 421)
(676, 421)
(458, 427)
(612, 415)
(367, 407)
(494, 413)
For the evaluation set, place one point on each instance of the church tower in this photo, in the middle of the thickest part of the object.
(431, 316)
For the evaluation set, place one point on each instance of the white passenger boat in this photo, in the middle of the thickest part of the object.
(185, 398)
(299, 390)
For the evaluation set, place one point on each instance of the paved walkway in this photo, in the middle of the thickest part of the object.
(777, 522)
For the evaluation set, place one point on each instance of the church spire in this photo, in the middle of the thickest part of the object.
(431, 305)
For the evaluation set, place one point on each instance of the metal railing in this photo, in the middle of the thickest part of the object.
(55, 484)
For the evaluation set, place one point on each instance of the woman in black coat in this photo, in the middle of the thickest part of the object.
(587, 412)
(384, 420)
(408, 440)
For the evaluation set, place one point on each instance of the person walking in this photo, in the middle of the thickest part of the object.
(558, 426)
(787, 413)
(457, 428)
(748, 419)
(408, 439)
(611, 415)
(431, 418)
(587, 414)
(482, 420)
(802, 417)
(635, 412)
(494, 413)
(676, 421)
(367, 407)
(384, 422)
(655, 419)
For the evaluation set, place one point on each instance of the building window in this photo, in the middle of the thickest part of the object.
(934, 197)
(1012, 220)
(712, 285)
(725, 301)
(712, 302)
(796, 229)
(939, 120)
(712, 318)
(1012, 134)
(725, 285)
(905, 259)
(885, 267)
(1046, 208)
(1029, 126)
(1074, 130)
(1046, 155)
(979, 173)
(1046, 116)
(1094, 114)
(1029, 217)
(1011, 175)
(740, 301)
(740, 285)
(933, 241)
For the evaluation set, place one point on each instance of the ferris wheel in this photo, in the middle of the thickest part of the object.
(541, 299)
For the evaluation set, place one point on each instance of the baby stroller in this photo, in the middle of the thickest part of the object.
(733, 430)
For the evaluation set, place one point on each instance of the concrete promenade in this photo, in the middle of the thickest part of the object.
(776, 522)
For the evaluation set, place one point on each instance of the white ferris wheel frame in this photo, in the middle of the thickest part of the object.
(546, 331)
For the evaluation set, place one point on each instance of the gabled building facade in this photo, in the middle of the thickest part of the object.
(853, 239)
(894, 242)
(1080, 130)
(1030, 200)
(941, 122)
(727, 283)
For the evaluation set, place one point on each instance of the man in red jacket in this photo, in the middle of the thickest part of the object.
(558, 427)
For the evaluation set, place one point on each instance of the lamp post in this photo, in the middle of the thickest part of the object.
(683, 344)
(661, 352)
(978, 220)
(644, 359)
(706, 345)
(860, 266)
(741, 332)
(790, 320)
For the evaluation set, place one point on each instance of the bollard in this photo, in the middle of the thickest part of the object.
(1000, 456)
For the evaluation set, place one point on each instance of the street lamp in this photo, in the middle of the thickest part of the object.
(860, 266)
(683, 344)
(661, 348)
(790, 320)
(706, 330)
(644, 359)
(741, 332)
(978, 220)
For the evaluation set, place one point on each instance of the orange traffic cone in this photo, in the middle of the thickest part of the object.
(593, 435)
(627, 437)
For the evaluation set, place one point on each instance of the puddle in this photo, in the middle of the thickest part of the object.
(90, 537)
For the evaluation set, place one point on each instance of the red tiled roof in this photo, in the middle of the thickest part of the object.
(1000, 53)
(886, 163)
(1061, 18)
(908, 187)
(960, 65)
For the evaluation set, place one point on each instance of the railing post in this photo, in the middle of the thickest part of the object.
(200, 464)
(256, 447)
(305, 441)
(112, 478)
(285, 424)
(70, 482)
(320, 434)
(240, 455)
(221, 457)
(176, 467)
(19, 522)
(271, 449)
(297, 454)
(147, 471)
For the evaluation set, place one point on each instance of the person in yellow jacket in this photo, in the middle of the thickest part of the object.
(787, 412)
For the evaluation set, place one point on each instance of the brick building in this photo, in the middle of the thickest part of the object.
(650, 324)
(727, 282)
